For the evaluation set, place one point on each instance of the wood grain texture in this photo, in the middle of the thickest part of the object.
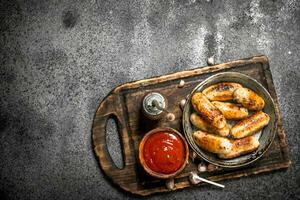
(124, 105)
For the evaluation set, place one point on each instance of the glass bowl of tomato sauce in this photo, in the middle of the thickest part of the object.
(163, 152)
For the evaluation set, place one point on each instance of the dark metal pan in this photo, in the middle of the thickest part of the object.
(266, 135)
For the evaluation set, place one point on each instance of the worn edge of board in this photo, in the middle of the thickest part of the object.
(187, 73)
(104, 112)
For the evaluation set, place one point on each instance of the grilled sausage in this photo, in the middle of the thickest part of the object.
(249, 99)
(241, 147)
(250, 125)
(221, 91)
(208, 111)
(212, 143)
(201, 124)
(231, 111)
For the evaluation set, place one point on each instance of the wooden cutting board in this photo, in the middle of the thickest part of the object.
(124, 105)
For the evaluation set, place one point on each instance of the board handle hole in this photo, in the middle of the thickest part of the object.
(113, 143)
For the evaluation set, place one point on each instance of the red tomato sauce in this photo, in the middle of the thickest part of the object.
(164, 152)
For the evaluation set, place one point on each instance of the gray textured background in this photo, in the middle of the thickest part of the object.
(60, 58)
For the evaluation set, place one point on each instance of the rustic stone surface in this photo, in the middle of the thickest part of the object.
(59, 59)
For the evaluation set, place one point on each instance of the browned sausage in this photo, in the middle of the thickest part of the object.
(208, 111)
(248, 99)
(201, 124)
(241, 147)
(221, 91)
(250, 125)
(212, 143)
(231, 111)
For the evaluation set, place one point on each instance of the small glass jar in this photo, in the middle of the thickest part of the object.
(154, 105)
